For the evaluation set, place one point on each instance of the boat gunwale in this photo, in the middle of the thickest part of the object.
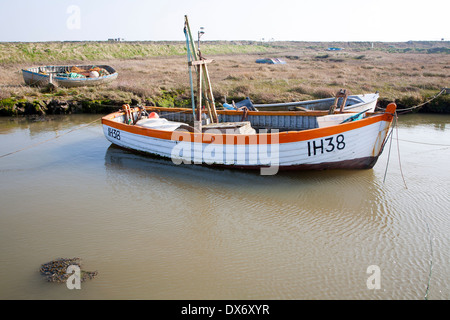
(314, 113)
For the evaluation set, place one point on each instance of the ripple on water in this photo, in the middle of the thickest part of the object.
(156, 230)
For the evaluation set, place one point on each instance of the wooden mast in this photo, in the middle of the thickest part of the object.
(202, 80)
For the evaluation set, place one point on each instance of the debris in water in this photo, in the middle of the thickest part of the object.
(56, 270)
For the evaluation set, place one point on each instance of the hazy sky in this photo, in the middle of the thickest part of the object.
(316, 20)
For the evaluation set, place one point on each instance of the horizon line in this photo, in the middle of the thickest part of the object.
(114, 40)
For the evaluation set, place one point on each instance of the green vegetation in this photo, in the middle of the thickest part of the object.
(440, 105)
(7, 107)
(38, 52)
(155, 73)
(172, 99)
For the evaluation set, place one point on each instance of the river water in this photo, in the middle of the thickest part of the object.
(155, 230)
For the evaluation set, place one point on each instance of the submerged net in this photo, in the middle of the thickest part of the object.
(56, 270)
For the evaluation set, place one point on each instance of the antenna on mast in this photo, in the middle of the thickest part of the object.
(200, 33)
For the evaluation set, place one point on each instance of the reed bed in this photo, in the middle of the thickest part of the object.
(156, 73)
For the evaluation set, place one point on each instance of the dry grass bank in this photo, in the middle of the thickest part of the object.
(401, 73)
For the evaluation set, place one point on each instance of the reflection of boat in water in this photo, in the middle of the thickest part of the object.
(119, 160)
(124, 158)
(137, 172)
(123, 166)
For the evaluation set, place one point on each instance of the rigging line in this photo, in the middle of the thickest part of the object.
(431, 261)
(189, 58)
(168, 114)
(398, 152)
(425, 143)
(390, 145)
(420, 105)
(53, 138)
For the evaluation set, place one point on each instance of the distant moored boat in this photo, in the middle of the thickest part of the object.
(69, 76)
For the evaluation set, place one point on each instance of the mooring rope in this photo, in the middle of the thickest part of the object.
(53, 138)
(398, 152)
(431, 260)
(390, 135)
(75, 129)
(426, 143)
(420, 105)
(171, 113)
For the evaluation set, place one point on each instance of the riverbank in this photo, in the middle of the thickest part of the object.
(155, 73)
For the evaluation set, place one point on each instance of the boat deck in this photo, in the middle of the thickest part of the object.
(259, 120)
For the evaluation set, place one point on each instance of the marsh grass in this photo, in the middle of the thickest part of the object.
(157, 73)
(45, 52)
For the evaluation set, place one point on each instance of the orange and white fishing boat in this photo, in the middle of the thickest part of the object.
(297, 142)
(265, 140)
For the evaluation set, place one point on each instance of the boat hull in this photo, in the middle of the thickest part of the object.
(354, 145)
(353, 164)
(34, 77)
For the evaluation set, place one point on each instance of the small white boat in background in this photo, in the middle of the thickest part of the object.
(69, 76)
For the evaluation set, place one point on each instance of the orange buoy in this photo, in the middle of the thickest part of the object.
(153, 115)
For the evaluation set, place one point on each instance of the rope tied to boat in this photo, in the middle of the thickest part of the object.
(428, 227)
(420, 105)
(53, 138)
(166, 115)
(431, 261)
(426, 143)
(390, 137)
(189, 58)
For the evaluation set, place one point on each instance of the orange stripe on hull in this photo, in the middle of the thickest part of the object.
(282, 137)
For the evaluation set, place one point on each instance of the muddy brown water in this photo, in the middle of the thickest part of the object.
(155, 230)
